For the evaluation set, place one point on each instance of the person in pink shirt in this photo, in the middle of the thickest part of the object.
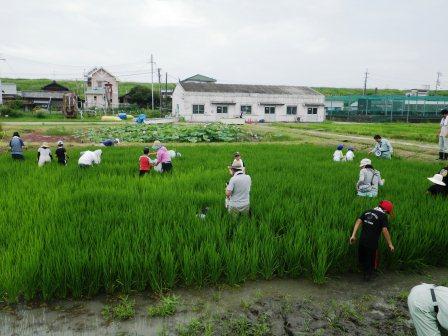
(163, 157)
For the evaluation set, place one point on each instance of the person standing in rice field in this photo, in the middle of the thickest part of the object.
(372, 222)
(44, 155)
(443, 136)
(163, 157)
(369, 180)
(238, 191)
(16, 144)
(383, 148)
(61, 153)
(145, 162)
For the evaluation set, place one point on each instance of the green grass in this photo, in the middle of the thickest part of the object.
(70, 232)
(166, 307)
(426, 132)
(123, 310)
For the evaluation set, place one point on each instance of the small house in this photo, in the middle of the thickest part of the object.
(102, 89)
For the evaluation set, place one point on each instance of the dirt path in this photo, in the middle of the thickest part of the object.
(344, 306)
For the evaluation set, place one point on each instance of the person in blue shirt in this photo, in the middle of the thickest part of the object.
(17, 146)
(383, 148)
(110, 142)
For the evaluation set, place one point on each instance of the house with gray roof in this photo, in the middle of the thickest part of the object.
(208, 101)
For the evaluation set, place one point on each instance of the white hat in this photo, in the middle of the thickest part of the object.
(437, 179)
(236, 165)
(60, 143)
(365, 162)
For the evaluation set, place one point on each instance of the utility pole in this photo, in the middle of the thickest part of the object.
(366, 75)
(439, 74)
(152, 82)
(166, 89)
(1, 95)
(160, 90)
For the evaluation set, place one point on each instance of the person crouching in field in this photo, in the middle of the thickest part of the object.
(16, 144)
(109, 142)
(369, 180)
(439, 184)
(61, 154)
(443, 136)
(88, 158)
(238, 191)
(145, 162)
(338, 155)
(163, 157)
(428, 306)
(372, 222)
(383, 148)
(349, 156)
(237, 161)
(44, 155)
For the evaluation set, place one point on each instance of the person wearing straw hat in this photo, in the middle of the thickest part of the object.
(338, 155)
(369, 180)
(44, 155)
(383, 148)
(372, 222)
(162, 157)
(238, 191)
(443, 135)
(237, 161)
(438, 187)
(428, 306)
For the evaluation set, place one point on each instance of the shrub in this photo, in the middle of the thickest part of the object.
(166, 307)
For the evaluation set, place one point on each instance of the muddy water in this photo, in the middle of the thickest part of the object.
(249, 300)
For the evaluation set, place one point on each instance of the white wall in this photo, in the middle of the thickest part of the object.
(1, 93)
(99, 78)
(183, 106)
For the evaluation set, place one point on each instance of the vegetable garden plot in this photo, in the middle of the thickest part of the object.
(67, 231)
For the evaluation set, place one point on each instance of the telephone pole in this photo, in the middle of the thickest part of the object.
(439, 74)
(166, 89)
(152, 82)
(366, 75)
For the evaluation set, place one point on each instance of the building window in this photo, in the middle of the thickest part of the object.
(312, 110)
(198, 109)
(246, 109)
(221, 109)
(269, 109)
(291, 110)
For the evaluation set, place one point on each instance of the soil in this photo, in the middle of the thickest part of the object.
(36, 137)
(343, 306)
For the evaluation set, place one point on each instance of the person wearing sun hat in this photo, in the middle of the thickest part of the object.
(373, 222)
(163, 157)
(43, 155)
(439, 186)
(238, 191)
(338, 155)
(61, 153)
(369, 180)
(237, 161)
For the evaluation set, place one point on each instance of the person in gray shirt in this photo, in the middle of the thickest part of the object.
(238, 191)
(383, 148)
(17, 146)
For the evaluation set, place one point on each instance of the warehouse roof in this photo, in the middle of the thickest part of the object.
(242, 88)
(42, 94)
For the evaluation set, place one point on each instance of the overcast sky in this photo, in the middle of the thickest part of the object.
(403, 43)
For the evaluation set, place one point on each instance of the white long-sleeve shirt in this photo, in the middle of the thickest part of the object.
(349, 156)
(444, 127)
(44, 155)
(338, 156)
(89, 158)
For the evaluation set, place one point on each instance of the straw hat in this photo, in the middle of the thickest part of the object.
(157, 144)
(45, 144)
(437, 179)
(236, 166)
(236, 154)
(365, 162)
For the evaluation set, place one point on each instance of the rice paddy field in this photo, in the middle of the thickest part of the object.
(70, 232)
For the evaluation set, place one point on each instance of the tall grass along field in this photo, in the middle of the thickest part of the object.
(76, 232)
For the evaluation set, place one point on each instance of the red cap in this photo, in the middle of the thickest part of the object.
(387, 206)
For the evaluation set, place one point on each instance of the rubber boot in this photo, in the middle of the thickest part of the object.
(441, 155)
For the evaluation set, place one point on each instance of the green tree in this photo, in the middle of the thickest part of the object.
(141, 96)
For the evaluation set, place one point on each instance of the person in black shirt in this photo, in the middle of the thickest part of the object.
(61, 153)
(373, 223)
(439, 181)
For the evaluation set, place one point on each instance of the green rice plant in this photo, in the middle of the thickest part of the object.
(123, 310)
(71, 232)
(166, 307)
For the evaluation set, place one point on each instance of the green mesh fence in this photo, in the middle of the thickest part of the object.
(385, 108)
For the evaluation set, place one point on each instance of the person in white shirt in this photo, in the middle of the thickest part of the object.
(44, 155)
(443, 134)
(349, 156)
(428, 306)
(369, 180)
(237, 161)
(88, 158)
(238, 191)
(338, 155)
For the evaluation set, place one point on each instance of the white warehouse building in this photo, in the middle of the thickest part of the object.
(200, 99)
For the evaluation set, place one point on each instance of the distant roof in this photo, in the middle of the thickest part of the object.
(200, 78)
(96, 69)
(9, 88)
(42, 94)
(242, 88)
(54, 86)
